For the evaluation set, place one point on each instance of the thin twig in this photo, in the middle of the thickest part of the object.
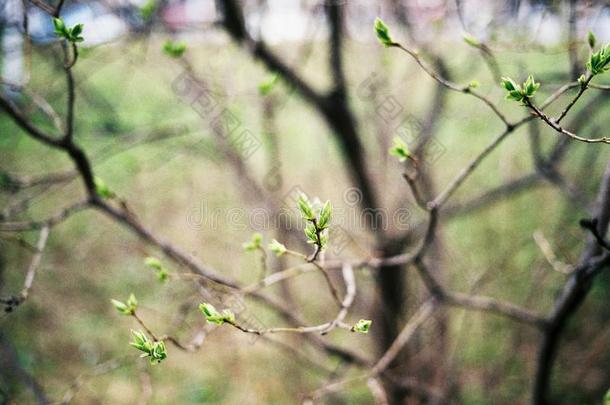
(549, 254)
(553, 124)
(405, 335)
(423, 313)
(146, 328)
(49, 222)
(453, 86)
(495, 306)
(299, 329)
(12, 302)
(350, 287)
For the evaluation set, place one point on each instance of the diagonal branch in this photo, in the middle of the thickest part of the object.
(572, 297)
(12, 302)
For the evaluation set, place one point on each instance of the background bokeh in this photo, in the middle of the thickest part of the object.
(160, 155)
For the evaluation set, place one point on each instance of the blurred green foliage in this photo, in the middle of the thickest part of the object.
(159, 155)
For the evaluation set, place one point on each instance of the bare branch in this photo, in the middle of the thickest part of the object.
(495, 306)
(572, 297)
(423, 313)
(555, 125)
(49, 222)
(13, 302)
(348, 300)
(467, 89)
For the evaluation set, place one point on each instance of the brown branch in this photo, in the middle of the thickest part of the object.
(474, 163)
(422, 314)
(13, 302)
(408, 331)
(25, 124)
(58, 8)
(334, 12)
(11, 367)
(298, 329)
(555, 125)
(68, 64)
(128, 220)
(49, 222)
(124, 217)
(75, 152)
(43, 6)
(143, 325)
(495, 306)
(348, 300)
(469, 169)
(42, 104)
(21, 183)
(581, 91)
(332, 107)
(572, 297)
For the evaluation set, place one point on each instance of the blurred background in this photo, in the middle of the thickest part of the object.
(145, 120)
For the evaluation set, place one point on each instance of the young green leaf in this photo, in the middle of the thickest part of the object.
(208, 310)
(140, 341)
(277, 248)
(213, 316)
(75, 33)
(174, 49)
(132, 302)
(323, 239)
(102, 189)
(520, 93)
(509, 84)
(153, 263)
(305, 207)
(362, 326)
(128, 308)
(70, 34)
(157, 266)
(400, 149)
(156, 351)
(159, 353)
(60, 27)
(325, 214)
(254, 244)
(121, 307)
(530, 86)
(582, 80)
(591, 39)
(267, 85)
(310, 232)
(598, 61)
(148, 9)
(470, 40)
(383, 33)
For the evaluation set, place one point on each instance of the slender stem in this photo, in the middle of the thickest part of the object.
(298, 329)
(350, 286)
(143, 325)
(554, 124)
(313, 260)
(70, 87)
(452, 86)
(474, 163)
(583, 88)
(263, 259)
